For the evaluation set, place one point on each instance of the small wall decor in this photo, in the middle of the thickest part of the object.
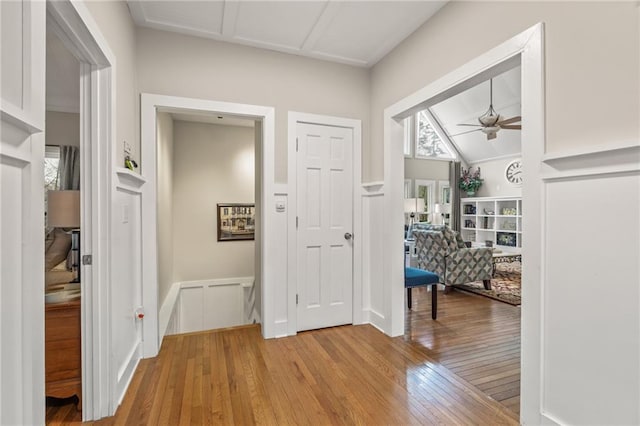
(236, 221)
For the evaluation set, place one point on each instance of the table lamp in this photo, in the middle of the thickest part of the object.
(63, 211)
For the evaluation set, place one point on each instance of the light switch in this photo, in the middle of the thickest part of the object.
(280, 206)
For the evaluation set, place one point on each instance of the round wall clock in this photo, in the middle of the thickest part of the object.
(513, 172)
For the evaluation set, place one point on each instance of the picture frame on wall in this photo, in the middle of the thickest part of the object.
(236, 221)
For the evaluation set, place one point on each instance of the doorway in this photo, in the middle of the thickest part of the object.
(159, 313)
(525, 50)
(206, 180)
(63, 229)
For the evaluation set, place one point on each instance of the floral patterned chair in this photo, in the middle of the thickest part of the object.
(442, 251)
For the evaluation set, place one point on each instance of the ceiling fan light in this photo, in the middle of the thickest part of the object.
(490, 129)
(489, 120)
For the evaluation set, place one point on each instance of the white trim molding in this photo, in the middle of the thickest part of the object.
(294, 118)
(267, 267)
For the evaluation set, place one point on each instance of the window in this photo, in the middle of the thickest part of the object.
(428, 142)
(426, 189)
(408, 136)
(51, 162)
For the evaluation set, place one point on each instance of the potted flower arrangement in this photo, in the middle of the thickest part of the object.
(470, 181)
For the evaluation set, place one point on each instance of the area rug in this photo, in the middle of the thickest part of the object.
(505, 284)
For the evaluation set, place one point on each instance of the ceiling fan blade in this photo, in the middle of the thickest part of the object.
(465, 124)
(491, 136)
(464, 133)
(512, 127)
(509, 121)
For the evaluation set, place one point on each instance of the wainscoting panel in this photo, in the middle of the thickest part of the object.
(590, 289)
(211, 304)
(126, 280)
(22, 100)
(372, 263)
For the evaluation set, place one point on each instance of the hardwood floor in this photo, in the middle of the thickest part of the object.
(451, 371)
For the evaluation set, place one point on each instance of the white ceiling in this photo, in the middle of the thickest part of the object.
(353, 32)
(357, 33)
(63, 77)
(467, 106)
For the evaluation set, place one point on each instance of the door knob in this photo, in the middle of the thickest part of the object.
(347, 236)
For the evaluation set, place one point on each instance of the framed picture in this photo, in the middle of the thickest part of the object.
(236, 221)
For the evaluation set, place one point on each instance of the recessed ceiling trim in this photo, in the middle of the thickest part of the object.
(230, 18)
(499, 157)
(328, 14)
(62, 105)
(306, 40)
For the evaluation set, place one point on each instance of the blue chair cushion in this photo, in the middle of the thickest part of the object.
(414, 277)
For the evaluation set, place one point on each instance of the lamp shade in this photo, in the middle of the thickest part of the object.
(409, 205)
(437, 208)
(413, 205)
(63, 209)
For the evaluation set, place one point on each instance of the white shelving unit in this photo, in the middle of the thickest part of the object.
(496, 219)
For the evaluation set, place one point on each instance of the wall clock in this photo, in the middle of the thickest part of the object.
(513, 172)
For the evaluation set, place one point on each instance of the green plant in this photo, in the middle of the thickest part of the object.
(470, 181)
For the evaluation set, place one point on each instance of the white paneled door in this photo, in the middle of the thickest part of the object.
(325, 226)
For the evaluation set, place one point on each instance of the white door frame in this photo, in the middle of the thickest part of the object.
(356, 126)
(527, 49)
(149, 104)
(74, 25)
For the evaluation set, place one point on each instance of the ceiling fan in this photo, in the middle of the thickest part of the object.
(491, 122)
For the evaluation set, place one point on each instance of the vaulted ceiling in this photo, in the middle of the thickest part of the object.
(467, 106)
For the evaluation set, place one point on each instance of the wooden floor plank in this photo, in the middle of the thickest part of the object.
(463, 368)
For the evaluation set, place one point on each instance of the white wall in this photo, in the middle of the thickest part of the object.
(426, 169)
(164, 137)
(495, 185)
(62, 128)
(578, 79)
(116, 25)
(178, 65)
(212, 164)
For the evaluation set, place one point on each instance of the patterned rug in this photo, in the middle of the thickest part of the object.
(505, 285)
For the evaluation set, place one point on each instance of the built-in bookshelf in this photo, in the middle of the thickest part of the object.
(495, 219)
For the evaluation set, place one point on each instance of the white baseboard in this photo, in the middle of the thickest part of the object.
(167, 310)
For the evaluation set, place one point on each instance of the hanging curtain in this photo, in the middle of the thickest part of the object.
(454, 182)
(69, 168)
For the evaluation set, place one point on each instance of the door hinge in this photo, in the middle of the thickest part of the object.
(296, 144)
(296, 299)
(87, 259)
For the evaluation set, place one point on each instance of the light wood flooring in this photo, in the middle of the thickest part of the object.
(462, 368)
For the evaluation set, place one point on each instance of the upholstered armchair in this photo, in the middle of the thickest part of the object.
(442, 251)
